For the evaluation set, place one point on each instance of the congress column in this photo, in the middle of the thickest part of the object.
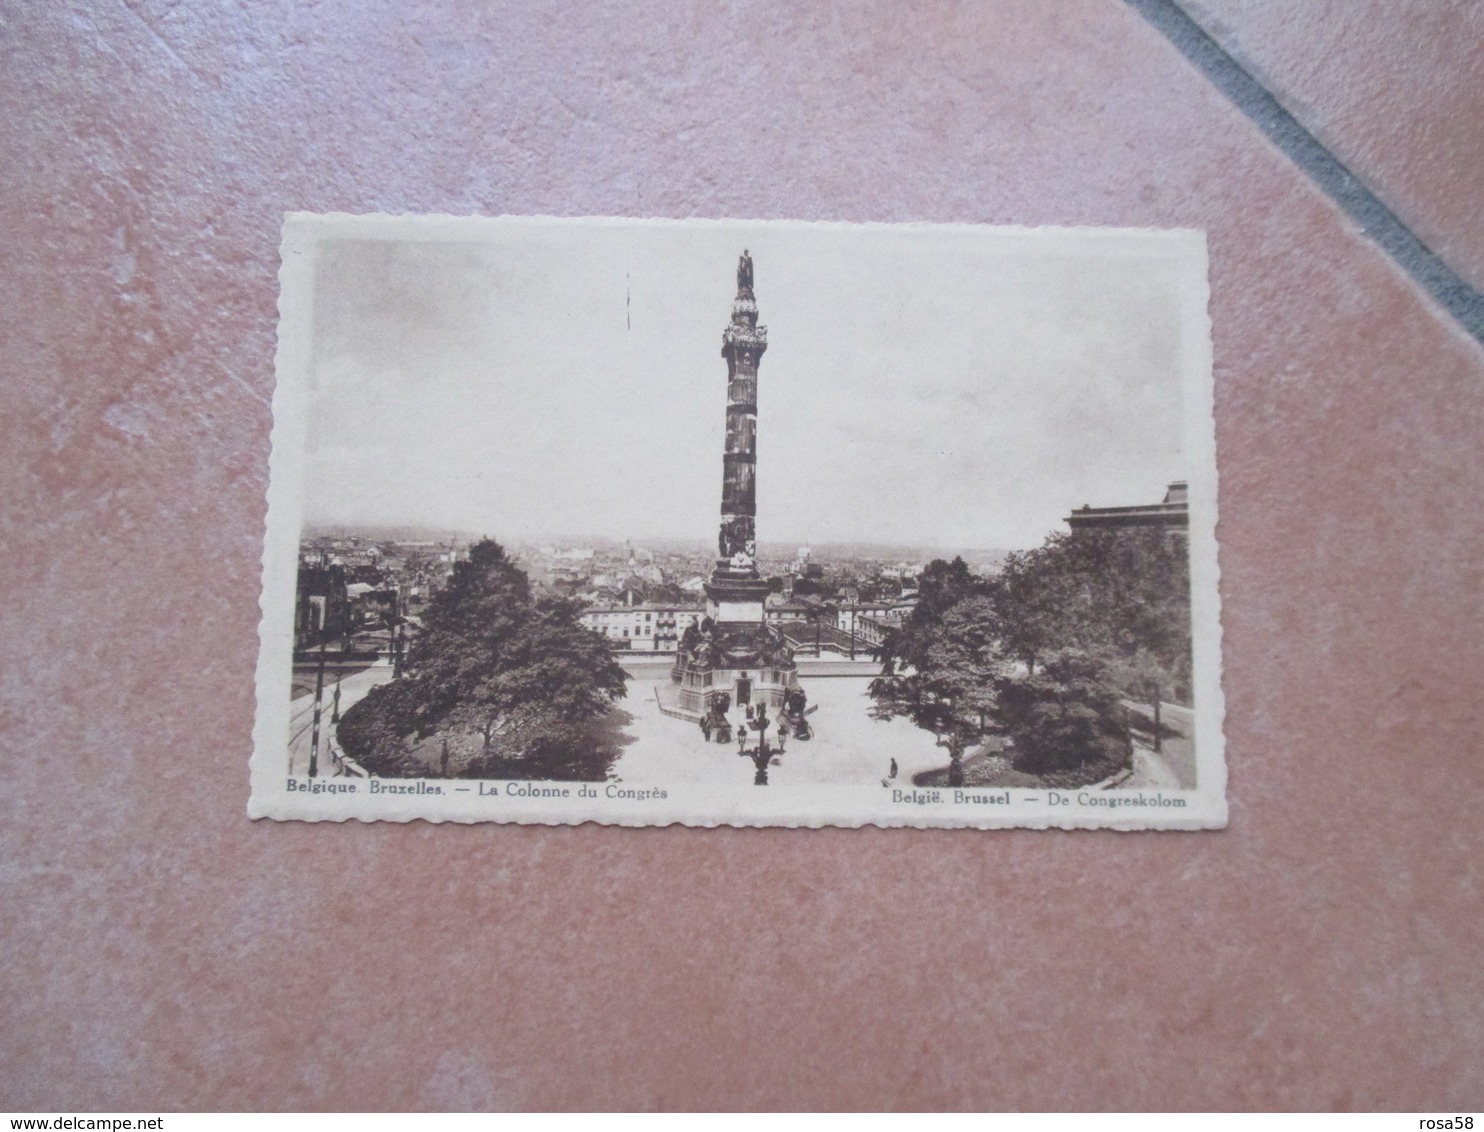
(736, 592)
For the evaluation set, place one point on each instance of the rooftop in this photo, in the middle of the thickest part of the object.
(1173, 511)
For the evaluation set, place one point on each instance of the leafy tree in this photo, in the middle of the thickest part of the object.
(1122, 591)
(1145, 678)
(1042, 602)
(374, 731)
(549, 677)
(942, 585)
(523, 675)
(939, 667)
(1066, 716)
(1090, 617)
(1113, 608)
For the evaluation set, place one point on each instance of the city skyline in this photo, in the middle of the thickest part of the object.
(941, 389)
(773, 550)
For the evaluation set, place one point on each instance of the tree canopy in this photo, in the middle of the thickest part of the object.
(1045, 651)
(939, 667)
(1124, 592)
(522, 675)
(1065, 715)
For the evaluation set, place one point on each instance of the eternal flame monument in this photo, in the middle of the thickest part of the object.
(734, 662)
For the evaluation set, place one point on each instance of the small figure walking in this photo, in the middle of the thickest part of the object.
(893, 773)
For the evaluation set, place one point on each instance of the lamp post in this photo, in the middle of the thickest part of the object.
(398, 640)
(1158, 743)
(319, 695)
(760, 754)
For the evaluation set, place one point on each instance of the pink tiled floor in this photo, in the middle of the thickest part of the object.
(161, 951)
(1394, 89)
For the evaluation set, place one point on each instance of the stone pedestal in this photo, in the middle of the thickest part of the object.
(697, 685)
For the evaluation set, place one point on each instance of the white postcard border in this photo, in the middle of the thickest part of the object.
(469, 801)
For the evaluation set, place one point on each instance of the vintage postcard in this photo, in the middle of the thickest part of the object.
(741, 523)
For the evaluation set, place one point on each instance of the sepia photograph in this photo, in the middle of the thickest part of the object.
(741, 523)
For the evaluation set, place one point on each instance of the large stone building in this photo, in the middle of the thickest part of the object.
(1173, 514)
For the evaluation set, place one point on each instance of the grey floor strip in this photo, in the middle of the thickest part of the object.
(1398, 241)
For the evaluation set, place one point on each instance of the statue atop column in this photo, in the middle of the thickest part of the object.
(744, 272)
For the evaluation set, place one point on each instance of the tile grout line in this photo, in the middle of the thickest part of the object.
(1326, 170)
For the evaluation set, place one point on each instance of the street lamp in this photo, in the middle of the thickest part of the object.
(757, 721)
(319, 695)
(396, 638)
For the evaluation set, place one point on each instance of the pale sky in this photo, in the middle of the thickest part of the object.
(925, 386)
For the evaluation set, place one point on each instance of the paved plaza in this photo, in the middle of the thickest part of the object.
(848, 745)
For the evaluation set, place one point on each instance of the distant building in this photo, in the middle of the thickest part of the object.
(322, 607)
(780, 607)
(379, 606)
(643, 626)
(868, 622)
(1173, 514)
(628, 594)
(368, 556)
